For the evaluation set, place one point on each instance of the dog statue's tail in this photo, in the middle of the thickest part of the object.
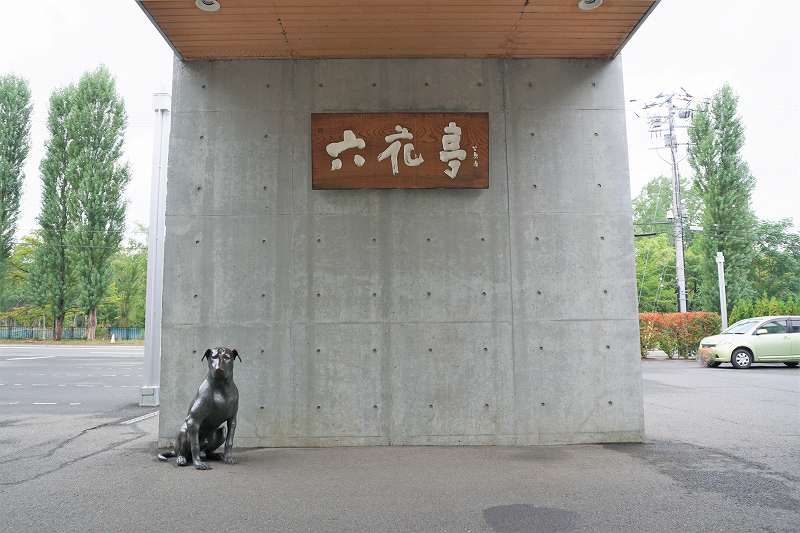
(166, 455)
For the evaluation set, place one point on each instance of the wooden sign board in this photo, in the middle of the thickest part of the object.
(399, 150)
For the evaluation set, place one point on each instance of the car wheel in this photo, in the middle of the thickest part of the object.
(791, 363)
(741, 358)
(713, 364)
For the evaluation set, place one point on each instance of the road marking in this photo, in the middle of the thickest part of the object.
(129, 386)
(74, 403)
(18, 384)
(44, 403)
(27, 358)
(106, 386)
(139, 418)
(12, 403)
(108, 376)
(38, 384)
(83, 385)
(62, 385)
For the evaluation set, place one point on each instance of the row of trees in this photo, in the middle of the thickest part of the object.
(762, 258)
(82, 217)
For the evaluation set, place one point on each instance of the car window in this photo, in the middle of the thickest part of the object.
(795, 325)
(775, 326)
(741, 327)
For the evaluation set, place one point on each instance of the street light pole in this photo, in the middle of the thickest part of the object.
(155, 254)
(723, 301)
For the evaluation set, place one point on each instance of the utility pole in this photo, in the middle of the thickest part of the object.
(677, 210)
(665, 117)
(723, 300)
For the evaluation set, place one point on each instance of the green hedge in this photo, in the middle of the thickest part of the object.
(677, 334)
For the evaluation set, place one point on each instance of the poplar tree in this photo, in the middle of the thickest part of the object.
(96, 181)
(725, 184)
(50, 280)
(15, 127)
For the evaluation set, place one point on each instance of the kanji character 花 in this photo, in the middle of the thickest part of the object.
(394, 149)
(349, 141)
(451, 153)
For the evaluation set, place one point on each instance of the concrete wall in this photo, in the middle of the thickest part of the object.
(499, 316)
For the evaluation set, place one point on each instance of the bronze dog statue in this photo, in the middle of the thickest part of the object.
(217, 401)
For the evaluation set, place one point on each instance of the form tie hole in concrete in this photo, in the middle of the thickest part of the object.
(197, 241)
(610, 402)
(483, 239)
(486, 405)
(263, 295)
(533, 186)
(430, 405)
(374, 84)
(319, 240)
(485, 349)
(195, 296)
(194, 351)
(262, 350)
(483, 293)
(374, 239)
(542, 404)
(599, 185)
(374, 406)
(203, 86)
(374, 294)
(428, 239)
(317, 350)
(602, 237)
(266, 135)
(199, 187)
(539, 293)
(605, 291)
(530, 84)
(428, 293)
(267, 86)
(533, 134)
(430, 349)
(594, 84)
(596, 134)
(319, 407)
(265, 187)
(319, 85)
(536, 238)
(608, 347)
(202, 137)
(427, 84)
(263, 241)
(374, 350)
(480, 84)
(261, 407)
(318, 295)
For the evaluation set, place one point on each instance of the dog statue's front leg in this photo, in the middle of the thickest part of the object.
(193, 432)
(227, 456)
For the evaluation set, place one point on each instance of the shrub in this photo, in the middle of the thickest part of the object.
(676, 333)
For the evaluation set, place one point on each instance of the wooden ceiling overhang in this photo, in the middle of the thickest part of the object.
(314, 29)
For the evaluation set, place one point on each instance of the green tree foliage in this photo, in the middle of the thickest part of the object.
(96, 177)
(725, 185)
(51, 280)
(777, 260)
(129, 279)
(15, 126)
(655, 268)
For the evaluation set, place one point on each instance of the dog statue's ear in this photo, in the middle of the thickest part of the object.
(206, 355)
(235, 353)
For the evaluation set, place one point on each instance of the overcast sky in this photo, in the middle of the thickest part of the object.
(696, 45)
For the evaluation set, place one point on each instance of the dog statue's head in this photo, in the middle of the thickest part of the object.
(220, 362)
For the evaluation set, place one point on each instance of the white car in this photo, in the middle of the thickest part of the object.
(765, 339)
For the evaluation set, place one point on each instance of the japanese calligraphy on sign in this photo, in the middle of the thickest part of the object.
(399, 150)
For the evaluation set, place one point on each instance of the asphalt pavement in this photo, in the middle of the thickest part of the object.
(50, 380)
(722, 454)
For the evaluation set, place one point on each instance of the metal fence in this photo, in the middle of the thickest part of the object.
(22, 333)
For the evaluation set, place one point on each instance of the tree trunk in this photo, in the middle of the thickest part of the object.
(91, 324)
(58, 328)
